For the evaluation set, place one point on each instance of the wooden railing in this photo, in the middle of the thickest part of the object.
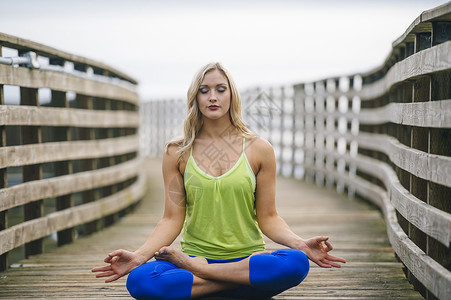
(384, 136)
(69, 158)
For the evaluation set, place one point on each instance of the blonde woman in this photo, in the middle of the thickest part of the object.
(220, 195)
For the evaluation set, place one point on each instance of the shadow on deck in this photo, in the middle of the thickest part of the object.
(356, 229)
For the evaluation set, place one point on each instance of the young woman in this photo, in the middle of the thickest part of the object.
(220, 194)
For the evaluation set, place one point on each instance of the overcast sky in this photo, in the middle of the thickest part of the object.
(163, 43)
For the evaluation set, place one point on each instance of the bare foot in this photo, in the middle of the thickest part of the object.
(180, 259)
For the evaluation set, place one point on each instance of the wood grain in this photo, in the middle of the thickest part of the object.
(424, 114)
(435, 59)
(22, 233)
(11, 115)
(58, 81)
(62, 185)
(58, 151)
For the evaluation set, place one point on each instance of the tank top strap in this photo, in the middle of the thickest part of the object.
(244, 142)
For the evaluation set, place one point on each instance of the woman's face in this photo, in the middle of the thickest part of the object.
(214, 96)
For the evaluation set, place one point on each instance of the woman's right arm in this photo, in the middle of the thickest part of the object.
(171, 223)
(121, 262)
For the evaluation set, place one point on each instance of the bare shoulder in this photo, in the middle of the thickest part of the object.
(258, 145)
(260, 154)
(171, 153)
(172, 159)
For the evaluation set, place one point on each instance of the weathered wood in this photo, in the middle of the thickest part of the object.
(355, 228)
(59, 138)
(425, 114)
(424, 62)
(431, 220)
(435, 168)
(32, 135)
(27, 45)
(58, 81)
(59, 99)
(37, 228)
(3, 182)
(53, 116)
(46, 152)
(62, 185)
(435, 277)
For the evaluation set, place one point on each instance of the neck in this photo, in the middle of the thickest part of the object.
(216, 128)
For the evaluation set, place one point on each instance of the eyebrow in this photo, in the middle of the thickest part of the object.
(219, 84)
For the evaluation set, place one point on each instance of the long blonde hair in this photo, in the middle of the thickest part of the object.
(193, 121)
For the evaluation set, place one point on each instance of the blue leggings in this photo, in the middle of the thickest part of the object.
(269, 275)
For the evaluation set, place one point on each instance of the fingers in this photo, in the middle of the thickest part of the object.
(325, 263)
(328, 245)
(116, 277)
(330, 262)
(105, 274)
(336, 258)
(101, 269)
(320, 239)
(118, 252)
(112, 255)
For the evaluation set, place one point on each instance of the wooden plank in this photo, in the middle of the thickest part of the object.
(17, 235)
(435, 59)
(442, 12)
(435, 168)
(27, 45)
(61, 185)
(53, 116)
(58, 81)
(424, 114)
(58, 151)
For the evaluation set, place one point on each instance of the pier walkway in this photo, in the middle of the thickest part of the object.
(356, 229)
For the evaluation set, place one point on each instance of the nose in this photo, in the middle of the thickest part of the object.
(213, 96)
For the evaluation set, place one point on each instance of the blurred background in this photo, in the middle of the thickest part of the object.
(163, 43)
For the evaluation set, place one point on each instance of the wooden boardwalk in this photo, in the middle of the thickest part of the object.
(356, 230)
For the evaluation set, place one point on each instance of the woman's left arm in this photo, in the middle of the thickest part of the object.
(271, 224)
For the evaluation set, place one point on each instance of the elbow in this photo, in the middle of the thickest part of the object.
(267, 221)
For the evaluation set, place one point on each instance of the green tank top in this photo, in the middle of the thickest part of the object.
(220, 221)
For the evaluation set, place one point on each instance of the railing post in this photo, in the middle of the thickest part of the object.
(59, 99)
(439, 195)
(32, 135)
(86, 102)
(108, 190)
(66, 236)
(3, 181)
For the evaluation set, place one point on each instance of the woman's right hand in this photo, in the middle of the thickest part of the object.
(121, 262)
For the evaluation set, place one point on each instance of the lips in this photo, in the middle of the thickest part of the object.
(213, 107)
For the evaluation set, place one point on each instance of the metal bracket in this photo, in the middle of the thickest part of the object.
(30, 59)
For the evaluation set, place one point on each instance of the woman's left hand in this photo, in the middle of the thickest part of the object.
(317, 250)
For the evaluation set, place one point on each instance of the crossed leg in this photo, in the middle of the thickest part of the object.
(208, 278)
(175, 275)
